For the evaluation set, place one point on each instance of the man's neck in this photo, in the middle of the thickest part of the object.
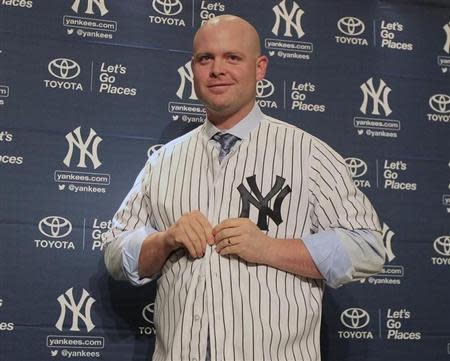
(224, 122)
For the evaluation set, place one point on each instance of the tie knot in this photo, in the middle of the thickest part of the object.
(226, 141)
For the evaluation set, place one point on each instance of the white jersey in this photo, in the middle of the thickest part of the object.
(285, 180)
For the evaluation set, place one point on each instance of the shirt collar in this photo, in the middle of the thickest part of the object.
(241, 129)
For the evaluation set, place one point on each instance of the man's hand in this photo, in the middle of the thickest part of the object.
(191, 231)
(241, 237)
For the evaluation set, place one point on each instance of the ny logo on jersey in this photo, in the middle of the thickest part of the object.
(262, 202)
(447, 42)
(185, 73)
(67, 302)
(74, 139)
(90, 7)
(379, 97)
(281, 12)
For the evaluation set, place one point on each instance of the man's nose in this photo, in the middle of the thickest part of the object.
(217, 68)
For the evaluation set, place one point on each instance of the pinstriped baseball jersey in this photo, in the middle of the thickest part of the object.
(291, 184)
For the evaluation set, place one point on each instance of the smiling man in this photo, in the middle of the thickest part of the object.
(243, 220)
(227, 63)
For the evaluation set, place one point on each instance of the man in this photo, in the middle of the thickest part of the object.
(243, 220)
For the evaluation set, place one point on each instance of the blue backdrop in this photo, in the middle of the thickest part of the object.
(89, 88)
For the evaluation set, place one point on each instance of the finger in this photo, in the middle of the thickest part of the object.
(197, 228)
(204, 221)
(225, 243)
(191, 238)
(188, 246)
(228, 233)
(209, 234)
(211, 239)
(230, 250)
(206, 228)
(228, 223)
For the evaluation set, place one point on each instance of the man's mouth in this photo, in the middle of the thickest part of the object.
(219, 87)
(215, 85)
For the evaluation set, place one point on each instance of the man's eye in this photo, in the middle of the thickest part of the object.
(204, 58)
(233, 57)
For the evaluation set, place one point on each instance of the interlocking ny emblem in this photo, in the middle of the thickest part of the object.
(281, 12)
(379, 97)
(262, 203)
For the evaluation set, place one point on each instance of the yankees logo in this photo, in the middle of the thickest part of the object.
(262, 203)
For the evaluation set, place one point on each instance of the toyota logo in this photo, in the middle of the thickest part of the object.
(264, 88)
(55, 227)
(148, 312)
(351, 26)
(356, 166)
(167, 7)
(440, 103)
(153, 149)
(355, 318)
(442, 245)
(62, 68)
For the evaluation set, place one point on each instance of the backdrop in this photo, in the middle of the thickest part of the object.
(90, 88)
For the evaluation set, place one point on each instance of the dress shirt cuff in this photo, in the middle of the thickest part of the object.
(330, 257)
(132, 244)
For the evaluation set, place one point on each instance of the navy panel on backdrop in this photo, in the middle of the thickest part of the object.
(90, 88)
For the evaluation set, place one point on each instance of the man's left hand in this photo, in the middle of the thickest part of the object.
(241, 237)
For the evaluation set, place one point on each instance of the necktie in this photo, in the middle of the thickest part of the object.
(226, 141)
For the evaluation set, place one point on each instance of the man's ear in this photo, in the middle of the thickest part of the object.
(261, 66)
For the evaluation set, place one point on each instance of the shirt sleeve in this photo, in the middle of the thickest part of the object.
(336, 251)
(130, 226)
(132, 244)
(345, 241)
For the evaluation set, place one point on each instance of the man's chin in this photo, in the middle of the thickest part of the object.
(217, 108)
(218, 111)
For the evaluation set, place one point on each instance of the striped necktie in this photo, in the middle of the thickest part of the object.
(226, 141)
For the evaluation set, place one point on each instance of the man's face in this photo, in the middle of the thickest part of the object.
(226, 67)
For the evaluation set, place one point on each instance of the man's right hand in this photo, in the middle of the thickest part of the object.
(191, 231)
